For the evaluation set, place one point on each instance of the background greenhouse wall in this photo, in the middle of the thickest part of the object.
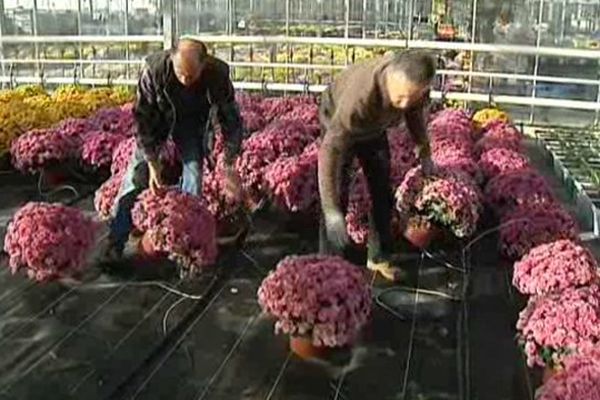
(538, 58)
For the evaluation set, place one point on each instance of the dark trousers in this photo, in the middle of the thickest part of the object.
(374, 158)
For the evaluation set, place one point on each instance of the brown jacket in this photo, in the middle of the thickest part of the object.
(355, 108)
(356, 105)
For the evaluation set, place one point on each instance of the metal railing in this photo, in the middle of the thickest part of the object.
(533, 101)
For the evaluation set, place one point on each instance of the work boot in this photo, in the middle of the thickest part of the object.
(386, 270)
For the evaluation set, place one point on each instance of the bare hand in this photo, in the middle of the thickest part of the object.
(154, 181)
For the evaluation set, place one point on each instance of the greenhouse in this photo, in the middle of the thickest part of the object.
(300, 199)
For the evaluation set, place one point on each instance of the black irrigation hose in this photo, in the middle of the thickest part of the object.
(131, 383)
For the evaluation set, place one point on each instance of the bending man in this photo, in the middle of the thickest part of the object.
(356, 110)
(176, 91)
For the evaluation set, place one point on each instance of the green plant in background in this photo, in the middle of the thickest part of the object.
(580, 151)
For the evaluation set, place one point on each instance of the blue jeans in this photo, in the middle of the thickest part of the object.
(189, 141)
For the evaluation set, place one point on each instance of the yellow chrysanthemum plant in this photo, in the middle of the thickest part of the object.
(31, 107)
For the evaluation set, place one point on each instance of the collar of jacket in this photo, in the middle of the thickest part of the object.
(170, 81)
(380, 73)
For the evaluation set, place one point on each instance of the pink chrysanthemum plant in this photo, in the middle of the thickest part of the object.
(448, 199)
(498, 161)
(554, 326)
(323, 298)
(555, 266)
(179, 225)
(98, 148)
(50, 241)
(527, 227)
(40, 149)
(517, 189)
(105, 196)
(578, 380)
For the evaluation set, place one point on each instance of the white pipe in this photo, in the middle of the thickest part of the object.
(422, 44)
(246, 64)
(70, 61)
(296, 87)
(14, 39)
(521, 77)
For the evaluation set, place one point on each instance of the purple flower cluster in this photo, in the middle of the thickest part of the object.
(213, 192)
(214, 181)
(553, 326)
(38, 149)
(104, 199)
(553, 267)
(274, 107)
(359, 208)
(292, 181)
(123, 152)
(454, 122)
(451, 137)
(517, 189)
(497, 161)
(117, 120)
(309, 113)
(98, 148)
(578, 380)
(253, 120)
(75, 127)
(448, 199)
(179, 225)
(324, 298)
(500, 135)
(527, 227)
(279, 139)
(49, 241)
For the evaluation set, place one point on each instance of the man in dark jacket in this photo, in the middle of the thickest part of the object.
(176, 91)
(355, 111)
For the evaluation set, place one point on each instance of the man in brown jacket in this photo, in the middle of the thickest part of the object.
(356, 110)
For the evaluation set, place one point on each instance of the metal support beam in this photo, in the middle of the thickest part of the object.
(1, 35)
(346, 19)
(364, 19)
(473, 33)
(80, 33)
(394, 43)
(34, 28)
(287, 17)
(127, 55)
(536, 65)
(298, 87)
(169, 24)
(411, 11)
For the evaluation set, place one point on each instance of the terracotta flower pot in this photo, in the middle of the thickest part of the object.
(420, 235)
(305, 349)
(146, 248)
(54, 177)
(549, 372)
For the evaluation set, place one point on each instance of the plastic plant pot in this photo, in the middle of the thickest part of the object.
(306, 350)
(420, 233)
(146, 249)
(549, 373)
(54, 176)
